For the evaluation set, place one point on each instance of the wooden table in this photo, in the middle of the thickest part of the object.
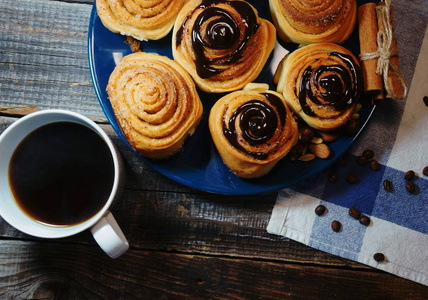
(183, 243)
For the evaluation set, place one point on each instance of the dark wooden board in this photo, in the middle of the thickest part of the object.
(46, 270)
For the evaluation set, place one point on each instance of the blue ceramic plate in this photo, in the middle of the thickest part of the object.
(198, 165)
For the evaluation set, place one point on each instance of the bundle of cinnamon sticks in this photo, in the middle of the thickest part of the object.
(378, 52)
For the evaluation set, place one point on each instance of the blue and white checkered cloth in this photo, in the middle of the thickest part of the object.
(398, 134)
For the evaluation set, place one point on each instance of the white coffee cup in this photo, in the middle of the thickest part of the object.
(102, 225)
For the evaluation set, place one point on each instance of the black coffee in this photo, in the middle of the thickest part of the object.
(61, 174)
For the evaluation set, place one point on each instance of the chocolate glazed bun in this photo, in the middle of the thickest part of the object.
(155, 103)
(308, 21)
(252, 131)
(322, 83)
(222, 44)
(143, 20)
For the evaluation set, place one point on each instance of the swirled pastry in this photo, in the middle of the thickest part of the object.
(155, 103)
(309, 21)
(252, 131)
(322, 84)
(223, 44)
(141, 19)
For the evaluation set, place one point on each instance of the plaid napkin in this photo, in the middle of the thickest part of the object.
(398, 135)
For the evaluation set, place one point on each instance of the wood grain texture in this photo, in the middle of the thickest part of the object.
(43, 56)
(35, 270)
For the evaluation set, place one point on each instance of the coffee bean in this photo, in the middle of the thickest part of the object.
(351, 178)
(364, 220)
(320, 210)
(297, 150)
(426, 100)
(362, 160)
(355, 213)
(374, 165)
(351, 126)
(425, 171)
(336, 226)
(410, 187)
(333, 178)
(379, 257)
(387, 185)
(409, 175)
(306, 134)
(368, 153)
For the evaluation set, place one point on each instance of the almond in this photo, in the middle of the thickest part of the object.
(358, 107)
(307, 157)
(319, 150)
(328, 136)
(316, 140)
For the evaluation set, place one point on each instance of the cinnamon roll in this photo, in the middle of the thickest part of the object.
(143, 20)
(252, 131)
(155, 103)
(322, 84)
(308, 21)
(223, 44)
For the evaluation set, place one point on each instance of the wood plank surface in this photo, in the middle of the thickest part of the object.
(184, 244)
(44, 58)
(63, 271)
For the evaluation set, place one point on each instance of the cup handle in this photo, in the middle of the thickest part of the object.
(109, 236)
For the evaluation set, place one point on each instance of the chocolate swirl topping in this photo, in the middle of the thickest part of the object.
(221, 32)
(340, 89)
(258, 122)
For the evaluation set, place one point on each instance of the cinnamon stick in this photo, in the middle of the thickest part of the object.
(368, 28)
(394, 82)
